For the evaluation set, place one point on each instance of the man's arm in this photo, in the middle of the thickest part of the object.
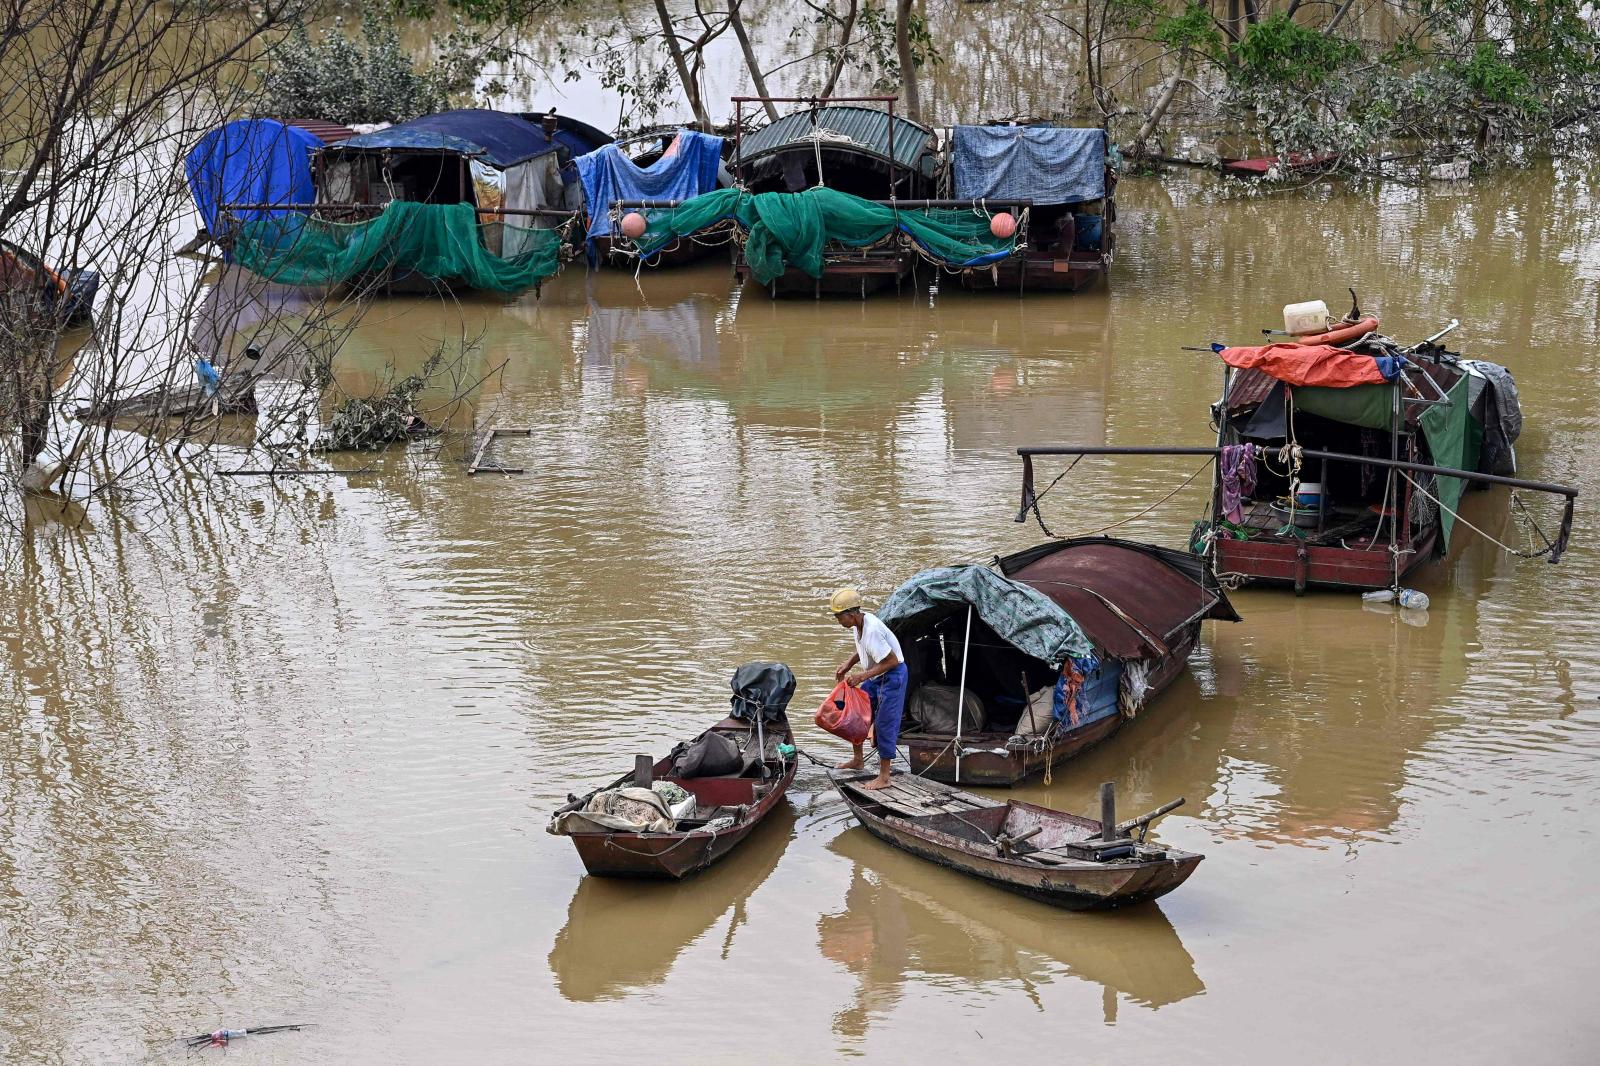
(844, 668)
(883, 667)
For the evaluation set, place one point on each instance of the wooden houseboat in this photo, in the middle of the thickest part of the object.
(840, 142)
(1060, 183)
(654, 170)
(1344, 467)
(515, 174)
(1018, 668)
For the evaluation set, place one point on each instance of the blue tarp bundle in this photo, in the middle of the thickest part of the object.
(251, 161)
(500, 139)
(1019, 614)
(1045, 164)
(688, 169)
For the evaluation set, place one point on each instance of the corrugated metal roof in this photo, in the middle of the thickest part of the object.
(1249, 386)
(1123, 595)
(842, 127)
(326, 132)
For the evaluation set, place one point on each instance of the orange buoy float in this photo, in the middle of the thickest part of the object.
(1342, 335)
(1003, 225)
(633, 225)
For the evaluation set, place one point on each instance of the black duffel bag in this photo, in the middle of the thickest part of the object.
(713, 755)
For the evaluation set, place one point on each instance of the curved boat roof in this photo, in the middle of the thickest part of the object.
(844, 127)
(1128, 597)
(501, 139)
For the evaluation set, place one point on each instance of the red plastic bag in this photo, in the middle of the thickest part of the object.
(846, 713)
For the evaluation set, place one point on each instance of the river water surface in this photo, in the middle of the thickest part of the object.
(272, 755)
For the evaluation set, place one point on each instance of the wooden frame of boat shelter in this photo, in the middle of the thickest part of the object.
(1556, 549)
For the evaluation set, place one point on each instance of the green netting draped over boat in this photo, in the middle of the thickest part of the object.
(1019, 614)
(792, 229)
(441, 241)
(1455, 439)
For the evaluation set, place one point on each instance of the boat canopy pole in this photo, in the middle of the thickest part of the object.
(1030, 501)
(961, 693)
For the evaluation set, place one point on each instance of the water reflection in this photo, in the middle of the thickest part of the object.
(905, 922)
(624, 936)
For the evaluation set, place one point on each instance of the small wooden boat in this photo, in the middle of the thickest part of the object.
(1140, 606)
(725, 807)
(1272, 168)
(1062, 859)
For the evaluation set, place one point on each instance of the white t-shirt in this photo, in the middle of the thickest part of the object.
(874, 642)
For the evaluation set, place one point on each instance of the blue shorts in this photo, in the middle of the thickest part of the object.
(888, 692)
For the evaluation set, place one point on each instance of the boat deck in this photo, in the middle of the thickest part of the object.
(1341, 524)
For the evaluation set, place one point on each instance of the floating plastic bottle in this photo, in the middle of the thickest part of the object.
(1417, 601)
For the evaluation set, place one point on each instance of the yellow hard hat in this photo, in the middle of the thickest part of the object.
(844, 600)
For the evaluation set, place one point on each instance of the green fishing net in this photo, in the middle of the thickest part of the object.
(440, 241)
(784, 230)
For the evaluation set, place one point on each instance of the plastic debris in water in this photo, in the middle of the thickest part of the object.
(1411, 598)
(221, 1037)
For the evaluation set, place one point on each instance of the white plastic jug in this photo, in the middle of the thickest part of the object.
(1308, 317)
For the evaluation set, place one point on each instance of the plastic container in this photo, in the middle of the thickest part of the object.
(1304, 517)
(1310, 494)
(1308, 317)
(1409, 598)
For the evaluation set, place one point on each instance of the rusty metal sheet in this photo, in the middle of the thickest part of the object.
(326, 132)
(1248, 387)
(1127, 597)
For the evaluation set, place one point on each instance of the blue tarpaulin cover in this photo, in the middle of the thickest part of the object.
(251, 161)
(1045, 164)
(1022, 616)
(688, 169)
(499, 139)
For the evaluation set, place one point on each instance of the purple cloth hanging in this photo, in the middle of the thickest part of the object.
(1238, 479)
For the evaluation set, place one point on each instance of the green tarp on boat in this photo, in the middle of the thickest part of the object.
(786, 230)
(1455, 439)
(1454, 436)
(1019, 614)
(441, 241)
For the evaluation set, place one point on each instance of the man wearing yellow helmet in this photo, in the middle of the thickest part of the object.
(882, 677)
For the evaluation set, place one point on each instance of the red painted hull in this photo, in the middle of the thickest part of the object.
(1304, 566)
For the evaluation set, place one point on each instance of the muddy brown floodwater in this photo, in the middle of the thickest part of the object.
(273, 756)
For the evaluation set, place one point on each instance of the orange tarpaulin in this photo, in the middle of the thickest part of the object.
(1297, 364)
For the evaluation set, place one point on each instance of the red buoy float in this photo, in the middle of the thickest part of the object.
(1003, 225)
(1342, 335)
(633, 225)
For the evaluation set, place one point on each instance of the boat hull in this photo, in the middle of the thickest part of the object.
(675, 856)
(681, 253)
(843, 276)
(933, 755)
(1311, 566)
(1030, 273)
(1084, 886)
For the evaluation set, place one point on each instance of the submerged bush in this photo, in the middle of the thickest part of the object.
(368, 79)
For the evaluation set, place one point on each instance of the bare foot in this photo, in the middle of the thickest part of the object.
(881, 781)
(852, 764)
